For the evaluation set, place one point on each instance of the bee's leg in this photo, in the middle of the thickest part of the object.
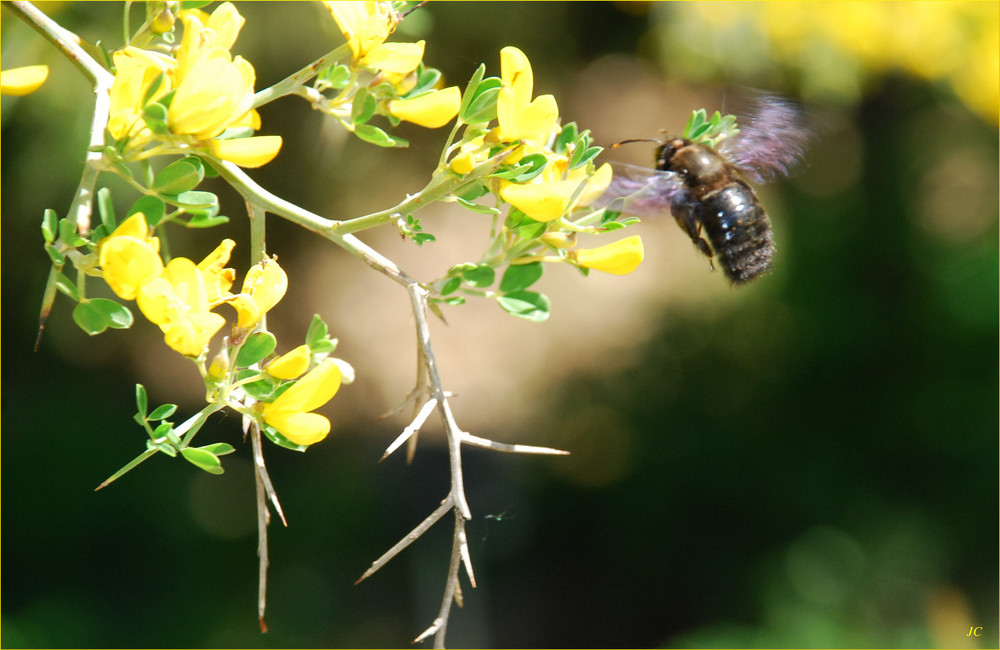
(684, 214)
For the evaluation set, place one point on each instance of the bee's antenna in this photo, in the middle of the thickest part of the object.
(412, 9)
(618, 144)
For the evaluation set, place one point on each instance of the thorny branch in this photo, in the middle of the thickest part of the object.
(428, 395)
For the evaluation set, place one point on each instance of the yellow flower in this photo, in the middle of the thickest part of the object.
(177, 301)
(204, 33)
(291, 364)
(22, 81)
(265, 284)
(218, 279)
(618, 258)
(518, 116)
(366, 25)
(216, 92)
(432, 110)
(212, 90)
(136, 70)
(290, 412)
(547, 196)
(129, 257)
(469, 155)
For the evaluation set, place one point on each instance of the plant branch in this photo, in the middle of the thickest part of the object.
(70, 45)
(292, 82)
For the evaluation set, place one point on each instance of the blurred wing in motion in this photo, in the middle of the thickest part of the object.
(771, 141)
(641, 191)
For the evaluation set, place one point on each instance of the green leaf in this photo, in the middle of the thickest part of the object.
(166, 430)
(526, 169)
(165, 447)
(155, 117)
(115, 314)
(363, 106)
(179, 176)
(476, 207)
(50, 225)
(471, 89)
(528, 228)
(520, 276)
(261, 390)
(152, 208)
(471, 191)
(317, 330)
(66, 285)
(256, 347)
(336, 76)
(481, 276)
(280, 440)
(583, 156)
(526, 304)
(203, 459)
(566, 136)
(451, 286)
(218, 448)
(162, 412)
(422, 238)
(483, 106)
(68, 234)
(427, 79)
(141, 400)
(197, 202)
(377, 136)
(195, 4)
(324, 346)
(57, 258)
(205, 221)
(106, 209)
(91, 320)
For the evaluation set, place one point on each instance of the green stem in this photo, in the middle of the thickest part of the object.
(442, 185)
(289, 84)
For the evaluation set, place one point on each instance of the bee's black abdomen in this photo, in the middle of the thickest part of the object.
(739, 231)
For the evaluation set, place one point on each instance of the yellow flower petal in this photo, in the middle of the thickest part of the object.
(190, 336)
(248, 152)
(128, 262)
(596, 185)
(265, 284)
(618, 258)
(213, 94)
(218, 279)
(22, 81)
(366, 25)
(432, 110)
(300, 428)
(540, 201)
(291, 364)
(398, 58)
(289, 413)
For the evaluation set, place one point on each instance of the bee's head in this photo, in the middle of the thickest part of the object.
(666, 151)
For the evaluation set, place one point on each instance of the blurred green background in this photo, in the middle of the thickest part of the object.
(810, 461)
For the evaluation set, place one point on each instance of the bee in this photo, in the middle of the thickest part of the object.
(699, 180)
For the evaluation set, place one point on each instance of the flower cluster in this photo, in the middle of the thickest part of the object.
(548, 178)
(180, 297)
(401, 87)
(199, 99)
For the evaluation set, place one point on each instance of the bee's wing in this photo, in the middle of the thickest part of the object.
(771, 140)
(641, 191)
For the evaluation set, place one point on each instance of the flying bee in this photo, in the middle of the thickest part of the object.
(698, 178)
